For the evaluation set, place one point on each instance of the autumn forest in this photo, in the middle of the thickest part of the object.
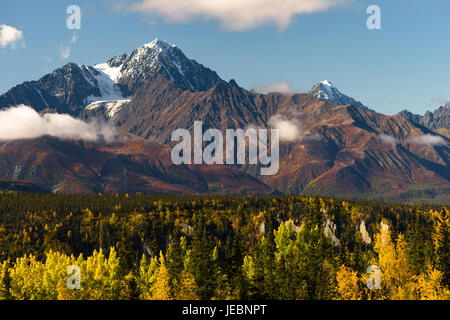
(220, 247)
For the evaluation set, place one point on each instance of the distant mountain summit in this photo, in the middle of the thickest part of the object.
(325, 91)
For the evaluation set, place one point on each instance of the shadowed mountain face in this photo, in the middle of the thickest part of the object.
(65, 90)
(161, 107)
(19, 185)
(134, 165)
(341, 147)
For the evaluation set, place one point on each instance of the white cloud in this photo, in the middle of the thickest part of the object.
(23, 122)
(289, 129)
(427, 139)
(387, 139)
(64, 52)
(10, 36)
(234, 15)
(281, 86)
(74, 38)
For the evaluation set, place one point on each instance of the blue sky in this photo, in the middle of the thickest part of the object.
(406, 64)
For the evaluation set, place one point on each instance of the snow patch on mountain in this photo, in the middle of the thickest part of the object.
(42, 97)
(104, 78)
(159, 44)
(112, 72)
(111, 108)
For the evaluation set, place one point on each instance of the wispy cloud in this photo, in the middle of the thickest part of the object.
(10, 36)
(23, 122)
(439, 100)
(427, 139)
(290, 130)
(64, 52)
(233, 15)
(281, 86)
(46, 59)
(386, 139)
(74, 37)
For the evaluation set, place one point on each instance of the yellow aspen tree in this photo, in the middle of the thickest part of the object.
(394, 266)
(4, 280)
(148, 271)
(187, 288)
(162, 285)
(429, 286)
(26, 275)
(347, 281)
(404, 285)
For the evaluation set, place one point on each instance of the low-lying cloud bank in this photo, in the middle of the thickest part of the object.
(387, 139)
(425, 139)
(23, 122)
(281, 86)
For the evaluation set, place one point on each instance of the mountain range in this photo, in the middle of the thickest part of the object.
(341, 148)
(438, 120)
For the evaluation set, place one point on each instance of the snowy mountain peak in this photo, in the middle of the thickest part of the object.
(158, 58)
(326, 83)
(137, 63)
(325, 91)
(161, 44)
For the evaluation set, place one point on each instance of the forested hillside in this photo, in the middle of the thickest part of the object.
(220, 247)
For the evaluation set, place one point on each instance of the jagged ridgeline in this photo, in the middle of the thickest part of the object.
(219, 247)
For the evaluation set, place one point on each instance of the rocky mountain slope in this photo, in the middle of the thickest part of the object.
(359, 153)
